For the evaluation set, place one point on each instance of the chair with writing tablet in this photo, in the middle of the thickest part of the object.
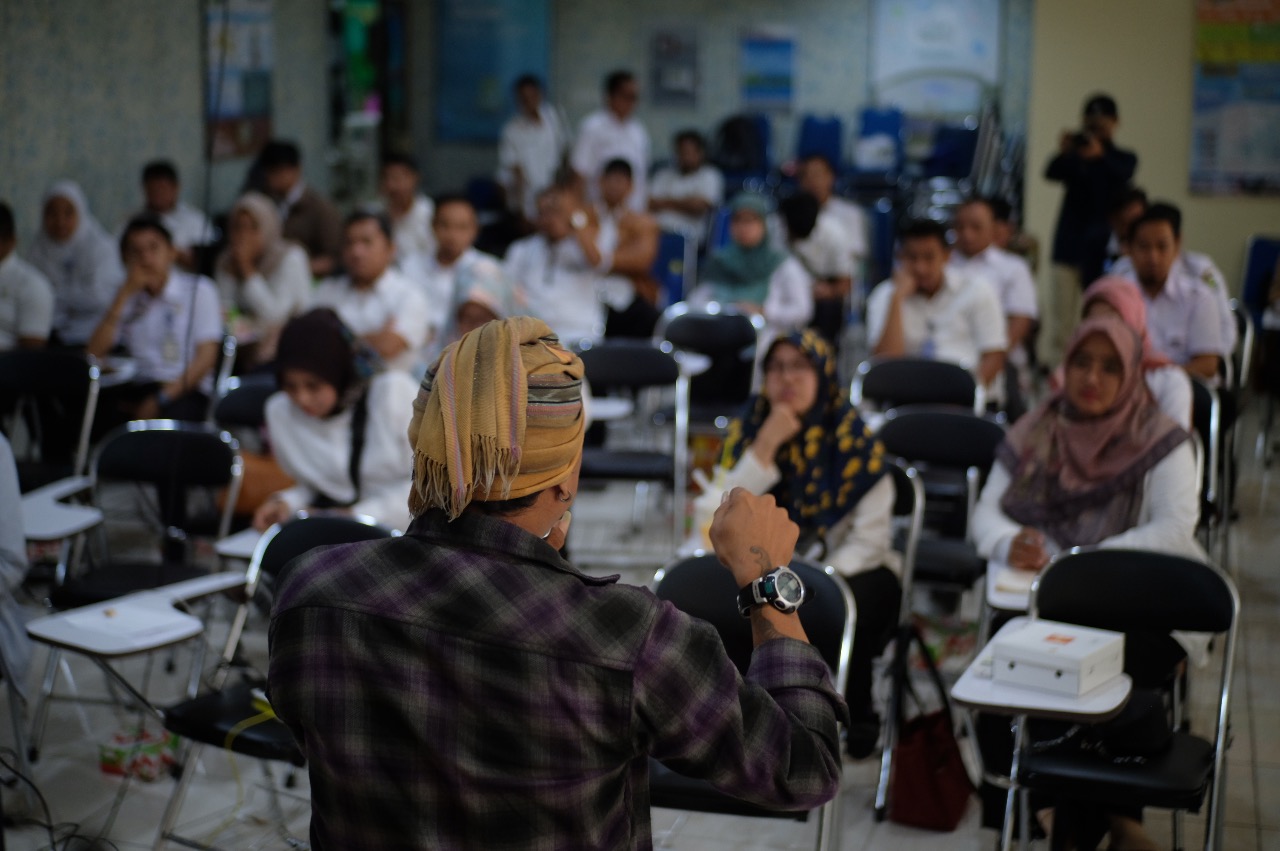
(702, 587)
(227, 716)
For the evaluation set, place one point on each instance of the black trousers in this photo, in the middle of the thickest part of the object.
(878, 596)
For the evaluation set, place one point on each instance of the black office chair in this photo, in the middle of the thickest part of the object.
(55, 394)
(243, 405)
(702, 587)
(893, 382)
(1206, 420)
(729, 339)
(218, 717)
(1098, 589)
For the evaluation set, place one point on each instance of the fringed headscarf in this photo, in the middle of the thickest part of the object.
(1079, 479)
(498, 416)
(834, 460)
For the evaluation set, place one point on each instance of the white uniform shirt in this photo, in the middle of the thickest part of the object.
(827, 252)
(391, 298)
(559, 286)
(850, 219)
(1203, 269)
(316, 452)
(960, 323)
(537, 147)
(705, 182)
(154, 328)
(26, 302)
(187, 225)
(444, 288)
(412, 232)
(1011, 277)
(602, 137)
(1183, 319)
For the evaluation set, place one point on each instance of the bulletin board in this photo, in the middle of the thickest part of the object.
(1235, 147)
(484, 46)
(239, 59)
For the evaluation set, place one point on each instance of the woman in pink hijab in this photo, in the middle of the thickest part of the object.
(1169, 384)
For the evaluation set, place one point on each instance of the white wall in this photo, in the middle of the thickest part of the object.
(91, 93)
(1141, 52)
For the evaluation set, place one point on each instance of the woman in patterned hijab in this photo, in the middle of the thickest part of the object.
(802, 441)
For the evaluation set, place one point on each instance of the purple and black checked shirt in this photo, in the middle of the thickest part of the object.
(465, 687)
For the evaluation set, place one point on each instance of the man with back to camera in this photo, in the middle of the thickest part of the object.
(1092, 171)
(823, 248)
(379, 304)
(463, 686)
(614, 133)
(931, 311)
(309, 218)
(629, 245)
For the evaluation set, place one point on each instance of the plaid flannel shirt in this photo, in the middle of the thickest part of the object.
(465, 687)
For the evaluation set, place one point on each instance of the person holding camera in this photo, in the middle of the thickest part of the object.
(1093, 172)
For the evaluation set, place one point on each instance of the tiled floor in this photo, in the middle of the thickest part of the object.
(228, 806)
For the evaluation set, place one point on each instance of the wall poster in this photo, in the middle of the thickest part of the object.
(239, 58)
(1235, 147)
(768, 70)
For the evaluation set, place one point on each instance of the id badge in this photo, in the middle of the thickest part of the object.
(170, 351)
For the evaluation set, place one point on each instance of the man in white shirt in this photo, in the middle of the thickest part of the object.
(614, 133)
(26, 296)
(628, 244)
(453, 270)
(170, 323)
(817, 176)
(682, 197)
(532, 147)
(373, 299)
(409, 210)
(558, 269)
(977, 255)
(1182, 316)
(162, 196)
(928, 310)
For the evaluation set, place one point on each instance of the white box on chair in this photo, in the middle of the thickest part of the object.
(1058, 657)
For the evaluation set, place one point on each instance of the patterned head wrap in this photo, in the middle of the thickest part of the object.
(498, 416)
(832, 462)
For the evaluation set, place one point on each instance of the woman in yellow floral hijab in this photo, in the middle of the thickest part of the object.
(802, 441)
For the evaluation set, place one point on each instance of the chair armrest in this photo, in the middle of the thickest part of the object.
(61, 489)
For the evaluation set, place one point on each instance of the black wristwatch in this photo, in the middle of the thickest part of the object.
(780, 588)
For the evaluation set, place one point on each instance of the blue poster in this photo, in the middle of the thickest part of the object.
(768, 71)
(484, 45)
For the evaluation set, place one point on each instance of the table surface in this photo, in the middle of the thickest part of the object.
(1005, 599)
(44, 518)
(977, 690)
(115, 370)
(240, 545)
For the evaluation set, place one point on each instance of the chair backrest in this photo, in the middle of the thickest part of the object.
(701, 586)
(1206, 420)
(284, 542)
(728, 338)
(245, 401)
(1135, 591)
(823, 135)
(891, 382)
(947, 437)
(631, 364)
(1259, 266)
(671, 266)
(61, 384)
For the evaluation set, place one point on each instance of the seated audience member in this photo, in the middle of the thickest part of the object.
(80, 260)
(337, 425)
(26, 296)
(817, 176)
(930, 310)
(169, 323)
(683, 197)
(379, 304)
(15, 645)
(473, 607)
(1011, 238)
(162, 197)
(1125, 210)
(532, 148)
(629, 246)
(1184, 319)
(556, 270)
(263, 279)
(1197, 266)
(411, 212)
(613, 133)
(309, 218)
(450, 272)
(824, 250)
(1168, 383)
(977, 255)
(1096, 464)
(802, 442)
(752, 275)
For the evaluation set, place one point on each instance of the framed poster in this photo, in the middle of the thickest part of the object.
(483, 46)
(1235, 147)
(934, 57)
(673, 68)
(239, 58)
(767, 70)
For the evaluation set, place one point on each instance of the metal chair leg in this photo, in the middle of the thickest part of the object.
(186, 770)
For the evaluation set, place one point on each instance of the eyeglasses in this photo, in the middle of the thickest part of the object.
(783, 367)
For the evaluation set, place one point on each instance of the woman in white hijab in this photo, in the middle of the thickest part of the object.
(79, 258)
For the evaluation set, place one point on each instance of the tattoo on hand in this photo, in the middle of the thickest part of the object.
(763, 628)
(762, 559)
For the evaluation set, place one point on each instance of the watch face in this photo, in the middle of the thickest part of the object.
(789, 587)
